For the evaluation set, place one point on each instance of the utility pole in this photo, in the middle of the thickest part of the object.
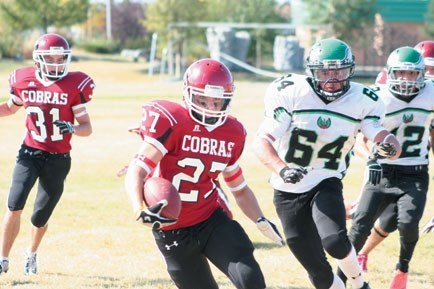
(108, 19)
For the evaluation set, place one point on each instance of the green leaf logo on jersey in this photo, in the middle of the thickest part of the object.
(278, 113)
(323, 123)
(407, 118)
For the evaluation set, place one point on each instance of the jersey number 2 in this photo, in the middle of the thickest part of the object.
(199, 169)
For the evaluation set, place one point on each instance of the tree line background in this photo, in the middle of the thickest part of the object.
(133, 23)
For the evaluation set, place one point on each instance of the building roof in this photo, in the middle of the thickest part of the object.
(403, 10)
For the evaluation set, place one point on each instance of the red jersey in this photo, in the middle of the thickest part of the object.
(194, 156)
(46, 102)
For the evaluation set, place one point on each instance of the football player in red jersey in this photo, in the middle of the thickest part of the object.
(191, 145)
(222, 197)
(55, 103)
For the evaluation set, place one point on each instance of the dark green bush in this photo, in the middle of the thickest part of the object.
(11, 46)
(102, 46)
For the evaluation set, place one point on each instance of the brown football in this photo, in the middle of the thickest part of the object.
(157, 189)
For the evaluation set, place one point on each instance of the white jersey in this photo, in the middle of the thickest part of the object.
(317, 135)
(410, 123)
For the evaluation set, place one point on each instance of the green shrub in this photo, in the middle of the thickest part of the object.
(135, 43)
(102, 46)
(11, 46)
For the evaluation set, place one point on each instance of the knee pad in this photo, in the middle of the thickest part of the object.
(246, 274)
(409, 232)
(362, 224)
(388, 225)
(39, 219)
(322, 280)
(337, 246)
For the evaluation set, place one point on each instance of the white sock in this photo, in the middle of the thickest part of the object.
(30, 254)
(351, 268)
(3, 258)
(337, 283)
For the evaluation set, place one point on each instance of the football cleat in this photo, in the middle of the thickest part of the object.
(363, 262)
(399, 280)
(30, 265)
(4, 266)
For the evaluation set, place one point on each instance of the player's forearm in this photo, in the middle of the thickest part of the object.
(134, 186)
(248, 203)
(268, 156)
(83, 129)
(8, 108)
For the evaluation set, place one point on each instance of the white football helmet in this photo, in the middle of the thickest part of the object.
(405, 59)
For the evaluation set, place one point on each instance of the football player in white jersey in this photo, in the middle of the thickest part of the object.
(306, 140)
(409, 102)
(426, 48)
(387, 221)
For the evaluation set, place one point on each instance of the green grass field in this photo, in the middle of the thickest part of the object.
(93, 242)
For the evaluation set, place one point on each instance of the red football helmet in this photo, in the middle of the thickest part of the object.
(426, 48)
(46, 54)
(208, 91)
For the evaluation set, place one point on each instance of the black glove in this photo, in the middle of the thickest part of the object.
(64, 126)
(383, 150)
(292, 175)
(269, 230)
(375, 172)
(151, 216)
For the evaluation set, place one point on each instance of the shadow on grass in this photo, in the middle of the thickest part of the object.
(266, 245)
(20, 283)
(138, 282)
(288, 287)
(98, 281)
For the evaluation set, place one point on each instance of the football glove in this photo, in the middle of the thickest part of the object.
(151, 216)
(64, 126)
(375, 172)
(292, 175)
(269, 230)
(428, 226)
(383, 150)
